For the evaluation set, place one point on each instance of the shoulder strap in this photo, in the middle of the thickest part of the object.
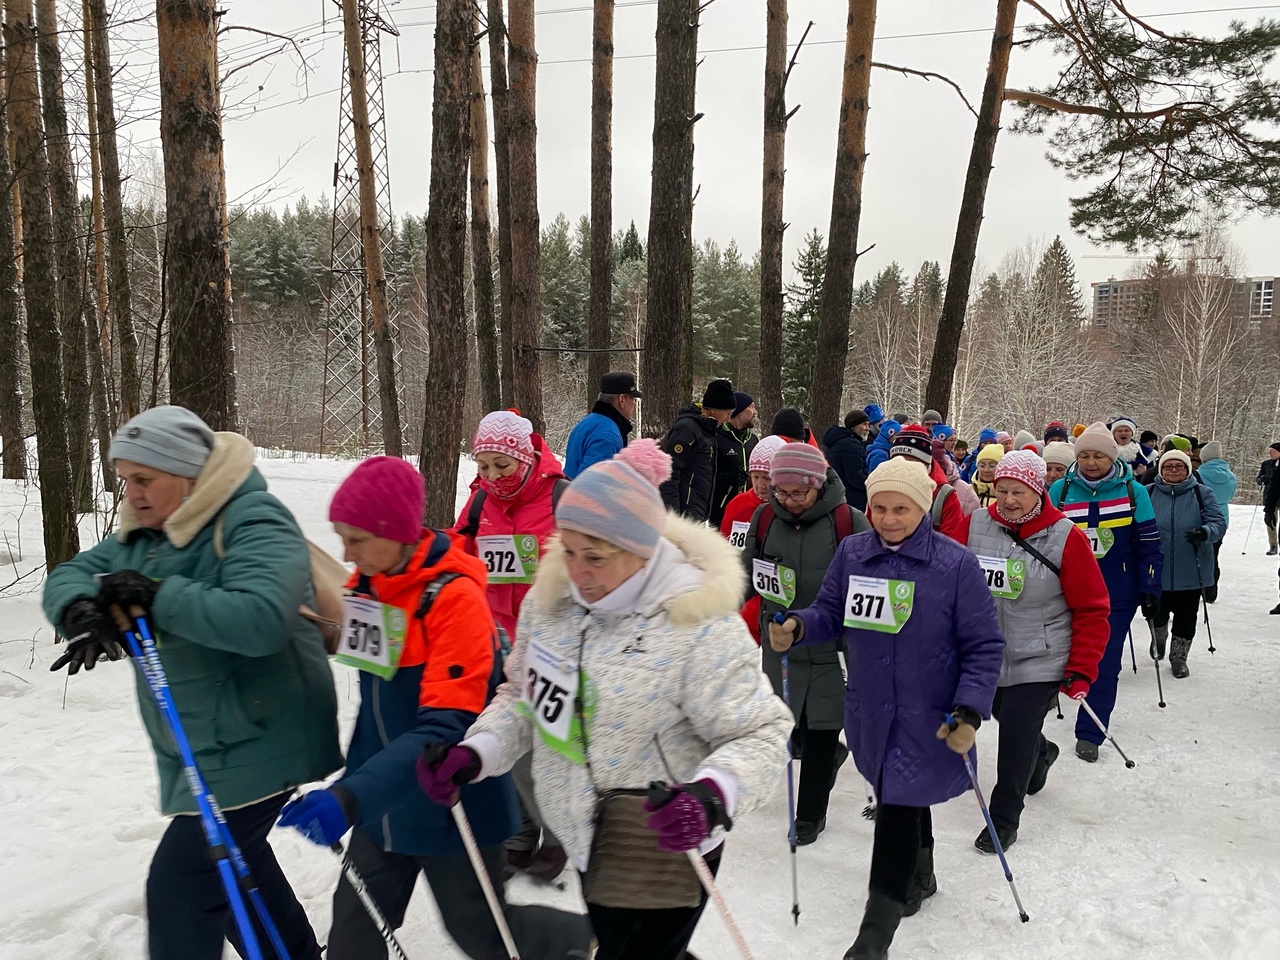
(1133, 498)
(762, 528)
(1017, 538)
(432, 591)
(939, 502)
(557, 491)
(473, 513)
(843, 519)
(1062, 495)
(1200, 499)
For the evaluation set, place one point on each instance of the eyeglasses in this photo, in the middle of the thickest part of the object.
(790, 497)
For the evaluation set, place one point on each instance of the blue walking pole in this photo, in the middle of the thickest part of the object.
(232, 869)
(791, 788)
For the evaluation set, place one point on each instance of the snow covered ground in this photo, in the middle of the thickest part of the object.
(1179, 857)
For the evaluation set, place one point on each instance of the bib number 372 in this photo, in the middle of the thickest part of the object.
(872, 603)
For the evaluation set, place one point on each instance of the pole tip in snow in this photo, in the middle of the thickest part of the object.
(1024, 917)
(1129, 764)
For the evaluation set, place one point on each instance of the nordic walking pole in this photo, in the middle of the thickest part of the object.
(477, 863)
(1203, 602)
(991, 829)
(1106, 733)
(791, 801)
(1133, 657)
(353, 877)
(221, 845)
(1252, 517)
(1159, 684)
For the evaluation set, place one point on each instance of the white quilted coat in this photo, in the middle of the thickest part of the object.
(680, 666)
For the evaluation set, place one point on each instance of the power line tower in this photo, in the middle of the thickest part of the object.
(359, 416)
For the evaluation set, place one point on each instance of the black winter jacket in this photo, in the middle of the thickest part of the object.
(691, 444)
(733, 450)
(847, 455)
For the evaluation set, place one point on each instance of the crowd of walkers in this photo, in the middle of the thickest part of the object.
(605, 663)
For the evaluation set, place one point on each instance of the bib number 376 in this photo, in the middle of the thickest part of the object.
(872, 603)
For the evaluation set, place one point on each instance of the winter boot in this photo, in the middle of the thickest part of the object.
(1178, 651)
(517, 862)
(1008, 836)
(547, 864)
(1159, 637)
(1087, 751)
(807, 830)
(1041, 772)
(1276, 608)
(923, 882)
(879, 924)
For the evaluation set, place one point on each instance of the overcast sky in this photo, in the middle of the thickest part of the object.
(919, 135)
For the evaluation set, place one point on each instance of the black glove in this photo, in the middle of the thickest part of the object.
(1197, 535)
(89, 634)
(126, 589)
(1150, 606)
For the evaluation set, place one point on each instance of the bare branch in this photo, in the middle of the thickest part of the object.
(928, 75)
(1062, 106)
(790, 66)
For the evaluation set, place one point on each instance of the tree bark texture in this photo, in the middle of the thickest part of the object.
(481, 253)
(102, 298)
(846, 211)
(772, 226)
(946, 344)
(526, 288)
(375, 276)
(57, 499)
(117, 252)
(502, 168)
(13, 464)
(599, 328)
(442, 427)
(70, 255)
(670, 206)
(201, 367)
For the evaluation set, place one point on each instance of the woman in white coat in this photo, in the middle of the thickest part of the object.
(633, 667)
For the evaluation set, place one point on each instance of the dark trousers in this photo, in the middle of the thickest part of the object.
(540, 932)
(1102, 693)
(627, 934)
(900, 833)
(1269, 518)
(1182, 606)
(188, 916)
(1020, 711)
(821, 747)
(1211, 589)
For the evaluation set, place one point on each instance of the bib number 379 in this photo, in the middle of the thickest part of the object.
(372, 636)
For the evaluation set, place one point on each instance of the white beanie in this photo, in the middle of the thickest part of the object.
(1060, 453)
(902, 475)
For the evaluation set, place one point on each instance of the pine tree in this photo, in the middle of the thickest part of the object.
(630, 247)
(1056, 278)
(564, 288)
(800, 322)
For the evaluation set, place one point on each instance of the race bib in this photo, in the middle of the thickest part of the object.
(551, 687)
(1100, 539)
(1006, 576)
(509, 559)
(880, 605)
(738, 534)
(372, 636)
(774, 582)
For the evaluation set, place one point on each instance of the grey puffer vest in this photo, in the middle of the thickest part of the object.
(1037, 625)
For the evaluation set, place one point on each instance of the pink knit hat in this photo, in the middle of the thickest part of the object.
(799, 463)
(1023, 466)
(505, 431)
(762, 454)
(617, 500)
(384, 496)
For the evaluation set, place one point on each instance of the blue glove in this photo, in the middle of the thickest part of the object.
(319, 816)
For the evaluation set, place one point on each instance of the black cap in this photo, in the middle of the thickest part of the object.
(1276, 446)
(620, 382)
(789, 422)
(741, 401)
(719, 396)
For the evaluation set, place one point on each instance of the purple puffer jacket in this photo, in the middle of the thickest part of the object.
(902, 685)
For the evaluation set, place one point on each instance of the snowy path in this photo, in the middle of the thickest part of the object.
(1179, 857)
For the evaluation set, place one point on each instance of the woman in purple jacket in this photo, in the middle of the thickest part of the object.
(923, 641)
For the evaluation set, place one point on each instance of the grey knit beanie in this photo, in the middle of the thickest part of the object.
(170, 439)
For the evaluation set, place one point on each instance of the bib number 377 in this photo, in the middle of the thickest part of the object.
(872, 603)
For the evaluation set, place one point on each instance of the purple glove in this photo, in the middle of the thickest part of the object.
(683, 815)
(443, 768)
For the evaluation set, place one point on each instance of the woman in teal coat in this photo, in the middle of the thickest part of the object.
(222, 569)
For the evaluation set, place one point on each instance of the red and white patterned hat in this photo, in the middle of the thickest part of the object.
(505, 431)
(1024, 466)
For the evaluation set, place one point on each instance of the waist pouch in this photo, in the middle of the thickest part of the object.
(627, 869)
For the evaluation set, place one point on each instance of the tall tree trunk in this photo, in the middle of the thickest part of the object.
(57, 499)
(772, 226)
(481, 253)
(670, 205)
(201, 365)
(442, 426)
(375, 276)
(102, 298)
(599, 332)
(946, 343)
(846, 211)
(70, 255)
(14, 466)
(526, 288)
(502, 168)
(117, 258)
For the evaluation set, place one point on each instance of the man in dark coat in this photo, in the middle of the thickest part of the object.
(734, 443)
(691, 444)
(847, 454)
(1266, 473)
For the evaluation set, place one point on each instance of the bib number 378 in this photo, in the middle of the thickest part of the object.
(872, 603)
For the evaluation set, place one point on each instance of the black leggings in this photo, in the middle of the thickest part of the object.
(900, 833)
(624, 933)
(1182, 606)
(1020, 710)
(821, 747)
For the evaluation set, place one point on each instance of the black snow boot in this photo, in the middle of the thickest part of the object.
(1008, 836)
(1178, 651)
(1159, 637)
(807, 830)
(1041, 772)
(1087, 751)
(923, 883)
(879, 924)
(1276, 609)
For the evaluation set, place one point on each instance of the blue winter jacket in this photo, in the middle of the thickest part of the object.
(901, 686)
(1217, 476)
(1187, 566)
(594, 438)
(878, 452)
(1119, 505)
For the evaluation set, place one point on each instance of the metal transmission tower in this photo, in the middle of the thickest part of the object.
(353, 418)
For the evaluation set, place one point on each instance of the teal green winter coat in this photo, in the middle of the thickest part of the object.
(248, 673)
